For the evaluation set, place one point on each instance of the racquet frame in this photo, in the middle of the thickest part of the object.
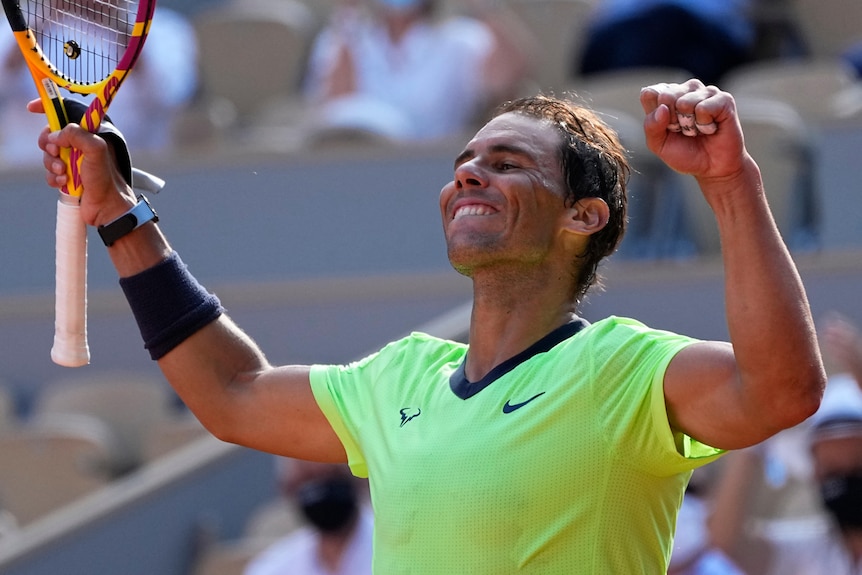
(70, 334)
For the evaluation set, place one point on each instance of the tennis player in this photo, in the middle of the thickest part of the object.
(549, 445)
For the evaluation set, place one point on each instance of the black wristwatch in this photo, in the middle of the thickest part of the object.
(140, 214)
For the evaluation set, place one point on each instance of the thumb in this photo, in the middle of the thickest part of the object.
(656, 126)
(69, 136)
(35, 106)
(658, 120)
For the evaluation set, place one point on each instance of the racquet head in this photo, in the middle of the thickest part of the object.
(87, 47)
(83, 46)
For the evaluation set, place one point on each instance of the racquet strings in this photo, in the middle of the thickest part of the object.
(83, 40)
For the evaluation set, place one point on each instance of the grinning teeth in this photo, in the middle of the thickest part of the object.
(473, 211)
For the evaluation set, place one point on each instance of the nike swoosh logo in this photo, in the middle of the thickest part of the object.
(510, 407)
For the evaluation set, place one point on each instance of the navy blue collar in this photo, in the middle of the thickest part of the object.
(465, 389)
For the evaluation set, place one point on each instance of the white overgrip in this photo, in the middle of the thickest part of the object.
(70, 297)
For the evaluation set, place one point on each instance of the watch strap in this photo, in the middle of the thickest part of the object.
(140, 214)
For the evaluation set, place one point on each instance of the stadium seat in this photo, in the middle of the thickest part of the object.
(130, 404)
(52, 462)
(252, 57)
(559, 25)
(620, 89)
(171, 434)
(655, 211)
(823, 91)
(828, 26)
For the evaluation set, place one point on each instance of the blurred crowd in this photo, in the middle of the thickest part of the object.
(426, 71)
(417, 70)
(163, 81)
(791, 505)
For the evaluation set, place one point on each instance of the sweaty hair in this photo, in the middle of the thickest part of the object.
(594, 165)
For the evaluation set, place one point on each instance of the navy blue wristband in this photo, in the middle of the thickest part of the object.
(169, 304)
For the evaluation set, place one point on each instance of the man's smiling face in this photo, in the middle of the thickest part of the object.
(507, 195)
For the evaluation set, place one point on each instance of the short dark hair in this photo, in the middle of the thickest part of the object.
(594, 165)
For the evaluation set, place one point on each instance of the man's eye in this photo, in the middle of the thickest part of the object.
(504, 166)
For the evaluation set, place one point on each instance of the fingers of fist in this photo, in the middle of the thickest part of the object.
(694, 108)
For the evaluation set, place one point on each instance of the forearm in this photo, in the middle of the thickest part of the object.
(768, 316)
(217, 370)
(730, 510)
(140, 250)
(731, 499)
(199, 349)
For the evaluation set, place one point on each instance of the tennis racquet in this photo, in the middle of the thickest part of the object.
(87, 47)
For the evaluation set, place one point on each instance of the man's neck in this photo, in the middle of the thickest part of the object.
(510, 313)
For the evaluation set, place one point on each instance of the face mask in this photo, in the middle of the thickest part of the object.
(328, 504)
(402, 5)
(842, 496)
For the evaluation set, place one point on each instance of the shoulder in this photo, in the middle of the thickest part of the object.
(620, 343)
(421, 344)
(415, 352)
(615, 328)
(425, 343)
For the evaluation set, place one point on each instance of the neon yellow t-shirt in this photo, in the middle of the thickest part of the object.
(560, 461)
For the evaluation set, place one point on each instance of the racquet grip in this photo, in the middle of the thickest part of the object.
(70, 312)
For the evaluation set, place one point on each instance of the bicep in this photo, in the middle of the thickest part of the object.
(704, 397)
(281, 415)
(225, 380)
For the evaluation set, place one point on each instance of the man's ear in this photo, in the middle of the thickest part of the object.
(587, 216)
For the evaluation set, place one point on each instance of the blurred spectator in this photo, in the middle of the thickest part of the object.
(853, 56)
(162, 82)
(834, 447)
(338, 537)
(842, 345)
(398, 68)
(705, 37)
(693, 550)
(17, 125)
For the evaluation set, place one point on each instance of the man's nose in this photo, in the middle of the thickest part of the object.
(470, 174)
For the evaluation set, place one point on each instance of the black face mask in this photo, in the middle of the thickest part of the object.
(328, 504)
(842, 496)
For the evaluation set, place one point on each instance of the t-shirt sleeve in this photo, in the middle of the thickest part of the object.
(629, 363)
(354, 397)
(327, 382)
